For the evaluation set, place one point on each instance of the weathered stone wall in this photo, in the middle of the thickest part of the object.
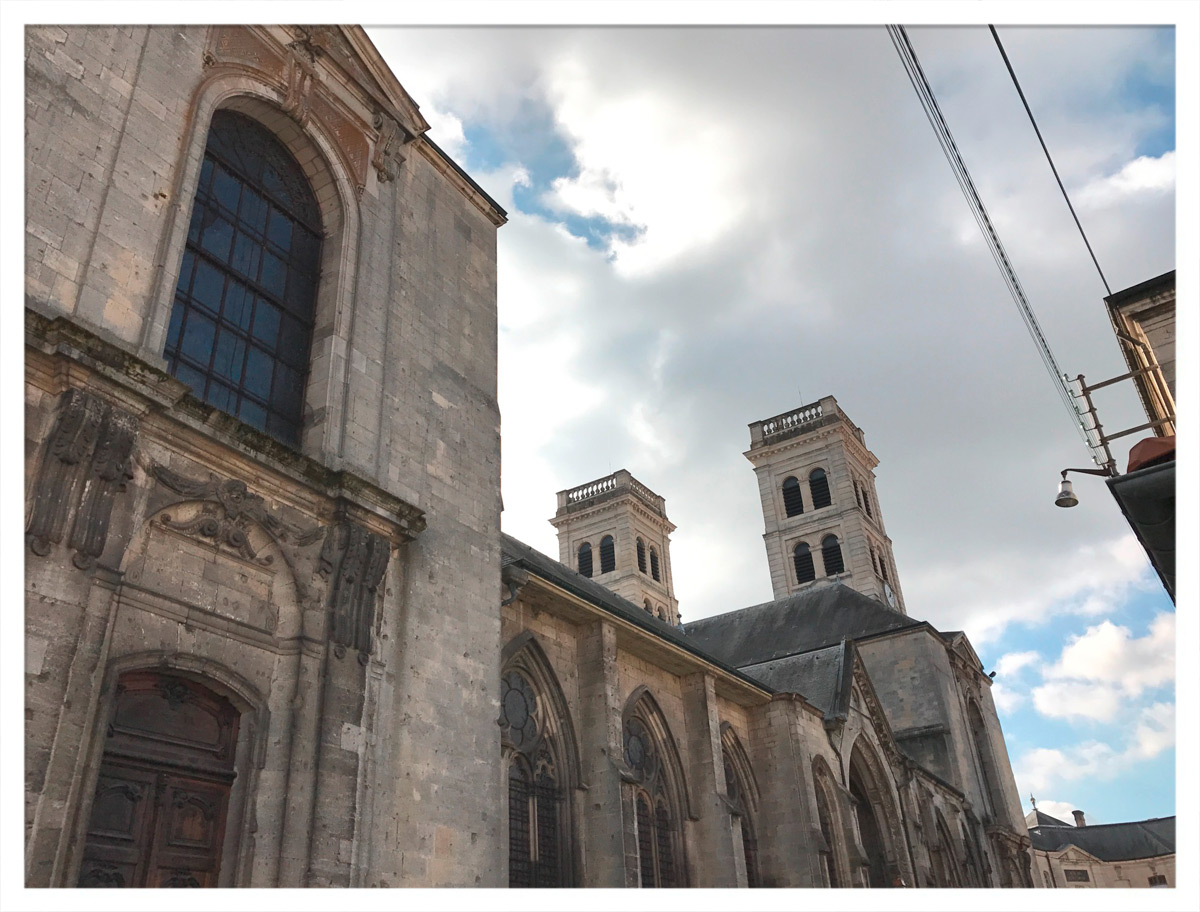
(356, 777)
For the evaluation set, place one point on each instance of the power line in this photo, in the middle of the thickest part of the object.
(1011, 73)
(941, 130)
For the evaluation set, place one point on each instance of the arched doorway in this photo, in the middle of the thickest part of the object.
(162, 796)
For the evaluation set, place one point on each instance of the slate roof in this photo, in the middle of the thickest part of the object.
(819, 675)
(1111, 841)
(514, 552)
(1036, 818)
(813, 619)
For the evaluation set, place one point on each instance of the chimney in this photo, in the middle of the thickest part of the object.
(1079, 820)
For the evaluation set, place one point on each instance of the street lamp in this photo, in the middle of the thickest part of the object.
(1066, 494)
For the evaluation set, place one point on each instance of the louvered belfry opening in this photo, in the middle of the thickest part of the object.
(803, 561)
(608, 555)
(641, 555)
(654, 571)
(831, 555)
(818, 486)
(585, 559)
(241, 325)
(793, 499)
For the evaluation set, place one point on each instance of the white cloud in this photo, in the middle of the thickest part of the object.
(1110, 655)
(1006, 698)
(1012, 662)
(1045, 768)
(1075, 699)
(1144, 176)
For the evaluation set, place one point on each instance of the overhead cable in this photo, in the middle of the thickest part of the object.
(942, 131)
(1013, 74)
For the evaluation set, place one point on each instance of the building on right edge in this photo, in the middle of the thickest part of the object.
(1140, 853)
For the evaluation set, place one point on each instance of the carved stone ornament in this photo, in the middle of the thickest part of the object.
(356, 559)
(229, 509)
(300, 73)
(87, 464)
(388, 155)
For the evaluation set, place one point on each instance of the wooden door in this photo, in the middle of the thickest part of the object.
(162, 797)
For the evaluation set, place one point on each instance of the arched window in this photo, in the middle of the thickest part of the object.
(651, 759)
(818, 487)
(831, 555)
(802, 558)
(827, 821)
(649, 608)
(641, 555)
(858, 493)
(867, 502)
(740, 789)
(241, 325)
(654, 565)
(990, 784)
(537, 813)
(793, 502)
(608, 555)
(585, 559)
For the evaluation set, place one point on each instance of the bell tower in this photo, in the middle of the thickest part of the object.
(823, 521)
(615, 530)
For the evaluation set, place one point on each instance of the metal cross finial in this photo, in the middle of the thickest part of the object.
(1033, 801)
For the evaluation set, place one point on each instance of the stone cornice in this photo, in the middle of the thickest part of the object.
(60, 355)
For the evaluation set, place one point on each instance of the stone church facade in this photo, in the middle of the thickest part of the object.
(274, 635)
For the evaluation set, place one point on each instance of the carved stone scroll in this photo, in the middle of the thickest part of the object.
(388, 155)
(356, 559)
(87, 464)
(229, 509)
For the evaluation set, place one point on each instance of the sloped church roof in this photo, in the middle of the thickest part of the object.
(813, 619)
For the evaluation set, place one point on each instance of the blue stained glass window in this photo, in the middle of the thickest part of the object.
(240, 331)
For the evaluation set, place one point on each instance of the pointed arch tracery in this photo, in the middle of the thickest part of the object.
(542, 768)
(659, 795)
(877, 814)
(829, 821)
(742, 791)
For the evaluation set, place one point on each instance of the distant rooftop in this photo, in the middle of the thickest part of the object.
(1110, 841)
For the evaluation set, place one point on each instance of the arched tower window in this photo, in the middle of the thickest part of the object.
(608, 555)
(641, 555)
(818, 486)
(241, 324)
(654, 573)
(651, 758)
(793, 502)
(585, 559)
(649, 608)
(858, 493)
(802, 558)
(831, 555)
(867, 502)
(538, 814)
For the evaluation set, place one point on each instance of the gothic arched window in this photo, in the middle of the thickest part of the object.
(802, 558)
(241, 325)
(656, 820)
(737, 787)
(536, 813)
(654, 573)
(831, 555)
(608, 555)
(585, 559)
(641, 555)
(793, 501)
(818, 486)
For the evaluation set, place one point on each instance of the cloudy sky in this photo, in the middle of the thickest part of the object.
(710, 226)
